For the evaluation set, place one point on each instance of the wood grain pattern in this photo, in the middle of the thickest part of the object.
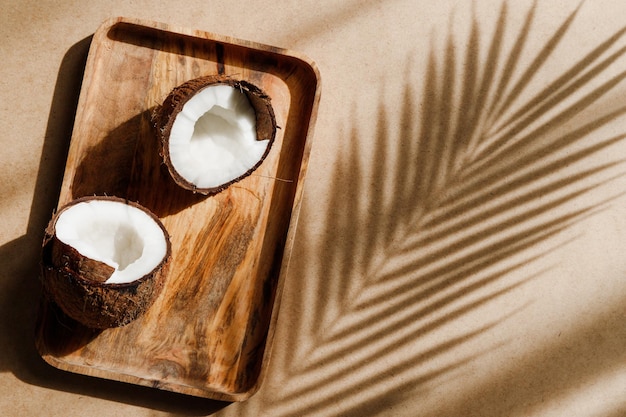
(209, 333)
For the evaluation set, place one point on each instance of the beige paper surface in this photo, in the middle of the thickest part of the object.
(460, 247)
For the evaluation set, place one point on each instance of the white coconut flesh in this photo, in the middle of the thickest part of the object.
(119, 235)
(213, 138)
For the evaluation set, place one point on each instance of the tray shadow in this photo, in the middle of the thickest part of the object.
(21, 290)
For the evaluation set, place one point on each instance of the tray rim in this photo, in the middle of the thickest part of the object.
(303, 60)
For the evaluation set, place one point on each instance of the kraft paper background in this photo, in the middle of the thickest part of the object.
(460, 250)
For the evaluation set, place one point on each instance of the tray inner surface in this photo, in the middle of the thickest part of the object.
(207, 333)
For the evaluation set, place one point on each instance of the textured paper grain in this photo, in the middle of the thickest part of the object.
(469, 276)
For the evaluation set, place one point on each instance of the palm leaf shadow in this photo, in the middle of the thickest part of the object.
(442, 221)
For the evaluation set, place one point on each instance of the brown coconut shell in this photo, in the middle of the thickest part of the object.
(165, 116)
(76, 283)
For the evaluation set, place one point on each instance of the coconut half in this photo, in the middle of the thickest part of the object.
(104, 260)
(214, 131)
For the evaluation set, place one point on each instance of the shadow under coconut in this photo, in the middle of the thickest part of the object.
(64, 330)
(127, 164)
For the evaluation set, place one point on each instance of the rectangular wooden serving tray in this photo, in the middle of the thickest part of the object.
(209, 333)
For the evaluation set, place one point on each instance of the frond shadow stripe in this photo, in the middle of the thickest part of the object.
(538, 62)
(555, 86)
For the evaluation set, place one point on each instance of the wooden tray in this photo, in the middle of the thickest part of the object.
(209, 333)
